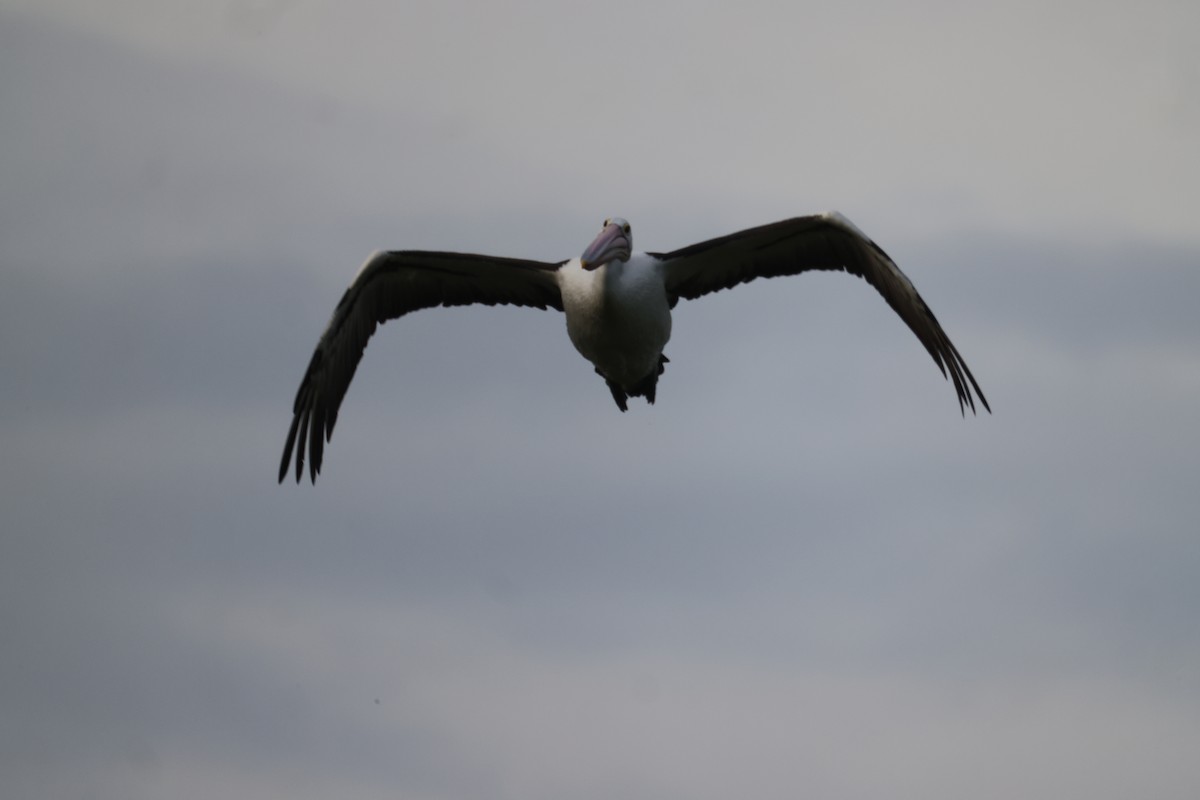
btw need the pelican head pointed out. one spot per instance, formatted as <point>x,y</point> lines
<point>614,242</point>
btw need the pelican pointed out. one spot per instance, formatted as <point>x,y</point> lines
<point>617,305</point>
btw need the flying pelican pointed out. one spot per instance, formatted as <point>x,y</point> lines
<point>617,304</point>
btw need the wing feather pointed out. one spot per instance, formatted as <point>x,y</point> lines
<point>390,285</point>
<point>817,242</point>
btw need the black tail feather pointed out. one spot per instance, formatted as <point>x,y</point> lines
<point>647,387</point>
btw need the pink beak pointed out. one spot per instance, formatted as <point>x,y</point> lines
<point>612,243</point>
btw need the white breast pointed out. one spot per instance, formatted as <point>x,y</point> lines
<point>618,316</point>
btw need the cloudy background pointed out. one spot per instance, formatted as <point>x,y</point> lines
<point>801,574</point>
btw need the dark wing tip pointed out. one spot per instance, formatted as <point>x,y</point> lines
<point>288,444</point>
<point>955,369</point>
<point>974,385</point>
<point>308,432</point>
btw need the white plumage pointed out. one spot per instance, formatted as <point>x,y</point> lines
<point>618,315</point>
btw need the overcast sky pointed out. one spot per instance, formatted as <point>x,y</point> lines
<point>800,574</point>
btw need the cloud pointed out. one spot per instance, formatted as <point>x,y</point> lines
<point>318,702</point>
<point>799,571</point>
<point>704,585</point>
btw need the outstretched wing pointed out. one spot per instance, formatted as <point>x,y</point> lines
<point>826,242</point>
<point>388,286</point>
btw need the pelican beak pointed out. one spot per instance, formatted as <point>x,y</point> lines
<point>612,243</point>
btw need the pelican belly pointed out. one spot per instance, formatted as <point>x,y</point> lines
<point>618,316</point>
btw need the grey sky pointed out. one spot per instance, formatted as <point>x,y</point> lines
<point>800,574</point>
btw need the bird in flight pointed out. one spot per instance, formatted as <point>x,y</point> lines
<point>617,304</point>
